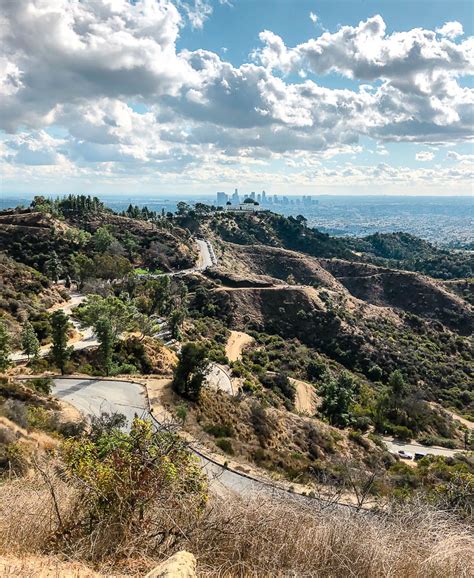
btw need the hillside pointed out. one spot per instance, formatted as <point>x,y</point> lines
<point>405,251</point>
<point>278,231</point>
<point>339,353</point>
<point>395,250</point>
<point>36,235</point>
<point>26,294</point>
<point>358,314</point>
<point>406,291</point>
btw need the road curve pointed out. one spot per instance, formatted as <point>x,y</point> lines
<point>413,448</point>
<point>206,259</point>
<point>219,378</point>
<point>87,339</point>
<point>91,396</point>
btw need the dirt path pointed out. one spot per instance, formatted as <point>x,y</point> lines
<point>236,343</point>
<point>465,422</point>
<point>306,400</point>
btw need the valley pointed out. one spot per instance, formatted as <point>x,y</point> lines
<point>292,366</point>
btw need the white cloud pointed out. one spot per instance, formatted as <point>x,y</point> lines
<point>381,150</point>
<point>366,52</point>
<point>34,149</point>
<point>79,65</point>
<point>313,17</point>
<point>197,11</point>
<point>275,54</point>
<point>451,30</point>
<point>63,51</point>
<point>462,158</point>
<point>424,156</point>
<point>418,93</point>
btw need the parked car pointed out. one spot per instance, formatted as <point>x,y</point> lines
<point>419,456</point>
<point>405,455</point>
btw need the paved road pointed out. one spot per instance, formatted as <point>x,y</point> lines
<point>219,378</point>
<point>395,446</point>
<point>87,340</point>
<point>93,396</point>
<point>206,259</point>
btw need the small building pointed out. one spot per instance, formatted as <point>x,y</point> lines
<point>248,206</point>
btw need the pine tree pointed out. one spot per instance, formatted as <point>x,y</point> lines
<point>105,335</point>
<point>29,341</point>
<point>60,350</point>
<point>190,373</point>
<point>338,396</point>
<point>4,347</point>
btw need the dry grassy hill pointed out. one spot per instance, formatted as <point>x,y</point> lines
<point>401,290</point>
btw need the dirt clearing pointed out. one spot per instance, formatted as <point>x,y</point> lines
<point>236,343</point>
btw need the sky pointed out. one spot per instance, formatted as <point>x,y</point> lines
<point>154,97</point>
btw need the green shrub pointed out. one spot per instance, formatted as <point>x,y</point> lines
<point>124,368</point>
<point>182,412</point>
<point>87,369</point>
<point>428,440</point>
<point>378,441</point>
<point>42,384</point>
<point>402,433</point>
<point>220,430</point>
<point>358,438</point>
<point>225,445</point>
<point>40,418</point>
<point>362,423</point>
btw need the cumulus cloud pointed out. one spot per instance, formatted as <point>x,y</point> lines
<point>313,17</point>
<point>424,156</point>
<point>62,51</point>
<point>418,92</point>
<point>197,11</point>
<point>34,149</point>
<point>80,66</point>
<point>451,30</point>
<point>366,52</point>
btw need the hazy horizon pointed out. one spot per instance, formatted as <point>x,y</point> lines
<point>440,219</point>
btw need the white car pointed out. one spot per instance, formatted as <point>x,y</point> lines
<point>405,455</point>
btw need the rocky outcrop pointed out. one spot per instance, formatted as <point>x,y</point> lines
<point>180,565</point>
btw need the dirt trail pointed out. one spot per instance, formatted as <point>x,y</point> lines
<point>306,400</point>
<point>465,422</point>
<point>236,343</point>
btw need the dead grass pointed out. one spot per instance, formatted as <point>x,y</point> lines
<point>272,538</point>
<point>261,536</point>
<point>45,567</point>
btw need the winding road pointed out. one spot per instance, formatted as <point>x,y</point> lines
<point>414,448</point>
<point>87,336</point>
<point>93,396</point>
<point>206,259</point>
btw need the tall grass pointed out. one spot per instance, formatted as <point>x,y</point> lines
<point>260,536</point>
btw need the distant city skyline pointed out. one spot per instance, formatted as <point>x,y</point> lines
<point>189,97</point>
<point>223,199</point>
